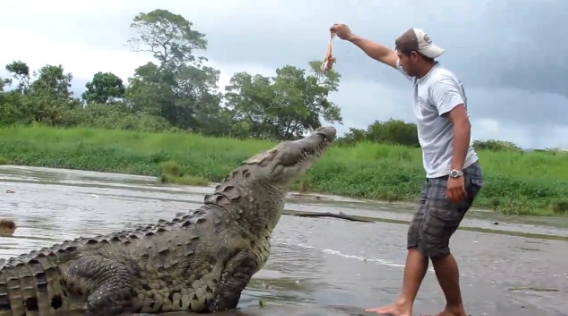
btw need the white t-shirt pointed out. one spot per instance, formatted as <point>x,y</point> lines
<point>435,94</point>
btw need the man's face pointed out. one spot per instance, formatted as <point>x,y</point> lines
<point>407,62</point>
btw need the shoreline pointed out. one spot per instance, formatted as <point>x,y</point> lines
<point>516,183</point>
<point>311,196</point>
<point>318,197</point>
<point>477,220</point>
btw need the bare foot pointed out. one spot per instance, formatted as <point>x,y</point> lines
<point>392,310</point>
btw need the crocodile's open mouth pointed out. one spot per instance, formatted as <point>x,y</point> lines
<point>292,159</point>
<point>305,150</point>
<point>287,161</point>
<point>317,150</point>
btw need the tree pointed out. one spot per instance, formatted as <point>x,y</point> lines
<point>250,100</point>
<point>179,88</point>
<point>11,110</point>
<point>46,99</point>
<point>4,83</point>
<point>198,99</point>
<point>9,114</point>
<point>394,132</point>
<point>149,92</point>
<point>53,81</point>
<point>49,95</point>
<point>169,37</point>
<point>496,145</point>
<point>20,72</point>
<point>104,88</point>
<point>285,106</point>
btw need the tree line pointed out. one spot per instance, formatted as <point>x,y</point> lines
<point>179,92</point>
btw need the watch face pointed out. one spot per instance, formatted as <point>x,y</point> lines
<point>454,173</point>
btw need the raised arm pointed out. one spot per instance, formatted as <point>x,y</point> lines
<point>373,49</point>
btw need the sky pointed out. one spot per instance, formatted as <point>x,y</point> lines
<point>510,56</point>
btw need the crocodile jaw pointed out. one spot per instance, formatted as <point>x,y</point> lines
<point>286,162</point>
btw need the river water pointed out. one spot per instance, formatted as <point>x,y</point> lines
<point>318,266</point>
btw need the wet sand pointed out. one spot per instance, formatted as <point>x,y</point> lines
<point>316,264</point>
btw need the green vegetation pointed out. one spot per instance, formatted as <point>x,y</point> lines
<point>170,120</point>
<point>172,173</point>
<point>175,90</point>
<point>516,182</point>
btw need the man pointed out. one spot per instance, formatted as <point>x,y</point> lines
<point>453,173</point>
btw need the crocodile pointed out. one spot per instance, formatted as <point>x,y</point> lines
<point>200,261</point>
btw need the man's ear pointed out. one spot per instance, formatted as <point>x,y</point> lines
<point>413,56</point>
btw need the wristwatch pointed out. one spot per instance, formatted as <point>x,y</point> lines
<point>456,173</point>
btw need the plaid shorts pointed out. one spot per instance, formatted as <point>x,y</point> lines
<point>436,218</point>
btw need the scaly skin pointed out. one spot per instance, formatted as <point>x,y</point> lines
<point>200,261</point>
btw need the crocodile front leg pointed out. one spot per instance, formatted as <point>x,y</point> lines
<point>234,280</point>
<point>107,282</point>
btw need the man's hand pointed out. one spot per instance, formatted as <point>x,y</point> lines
<point>341,30</point>
<point>456,189</point>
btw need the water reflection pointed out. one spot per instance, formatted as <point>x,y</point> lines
<point>315,263</point>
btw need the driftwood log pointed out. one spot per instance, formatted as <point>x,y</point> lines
<point>328,214</point>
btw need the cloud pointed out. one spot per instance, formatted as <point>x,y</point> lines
<point>508,57</point>
<point>83,61</point>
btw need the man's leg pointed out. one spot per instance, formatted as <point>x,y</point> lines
<point>441,221</point>
<point>447,273</point>
<point>415,268</point>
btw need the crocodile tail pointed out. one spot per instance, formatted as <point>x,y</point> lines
<point>30,285</point>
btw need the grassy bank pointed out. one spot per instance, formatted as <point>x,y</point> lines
<point>516,183</point>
